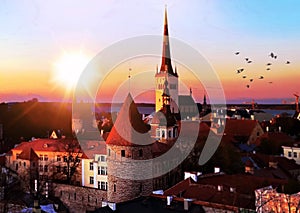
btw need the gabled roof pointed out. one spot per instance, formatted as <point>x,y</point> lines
<point>186,100</point>
<point>240,127</point>
<point>206,189</point>
<point>129,129</point>
<point>92,147</point>
<point>28,154</point>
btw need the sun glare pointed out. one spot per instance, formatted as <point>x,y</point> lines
<point>68,68</point>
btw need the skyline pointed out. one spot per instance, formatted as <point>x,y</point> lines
<point>38,37</point>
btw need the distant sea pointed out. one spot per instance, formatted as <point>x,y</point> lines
<point>275,112</point>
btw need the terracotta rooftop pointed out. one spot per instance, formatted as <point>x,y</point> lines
<point>276,137</point>
<point>129,129</point>
<point>90,148</point>
<point>239,127</point>
<point>236,190</point>
<point>28,154</point>
<point>47,145</point>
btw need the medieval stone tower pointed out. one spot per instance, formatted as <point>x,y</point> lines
<point>128,143</point>
<point>166,73</point>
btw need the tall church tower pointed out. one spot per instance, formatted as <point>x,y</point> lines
<point>166,73</point>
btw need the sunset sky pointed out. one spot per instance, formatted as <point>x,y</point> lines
<point>43,43</point>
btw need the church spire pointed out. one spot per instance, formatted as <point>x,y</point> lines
<point>166,65</point>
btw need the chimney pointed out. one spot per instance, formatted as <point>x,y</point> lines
<point>187,204</point>
<point>169,200</point>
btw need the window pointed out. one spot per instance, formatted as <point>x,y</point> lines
<point>17,156</point>
<point>289,154</point>
<point>108,152</point>
<point>58,169</point>
<point>17,166</point>
<point>157,133</point>
<point>45,157</point>
<point>295,154</point>
<point>102,158</point>
<point>163,134</point>
<point>65,159</point>
<point>58,158</point>
<point>99,170</point>
<point>103,170</point>
<point>170,134</point>
<point>41,158</point>
<point>41,168</point>
<point>140,153</point>
<point>65,169</point>
<point>123,153</point>
<point>99,185</point>
<point>91,166</point>
<point>33,164</point>
<point>45,168</point>
<point>115,187</point>
<point>103,185</point>
<point>91,180</point>
<point>257,133</point>
<point>24,163</point>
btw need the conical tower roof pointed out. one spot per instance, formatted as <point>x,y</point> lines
<point>129,129</point>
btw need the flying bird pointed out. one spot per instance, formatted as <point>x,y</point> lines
<point>247,59</point>
<point>268,68</point>
<point>270,82</point>
<point>288,62</point>
<point>240,70</point>
<point>272,55</point>
<point>261,77</point>
<point>249,62</point>
<point>269,64</point>
<point>237,53</point>
<point>251,79</point>
<point>244,76</point>
<point>248,86</point>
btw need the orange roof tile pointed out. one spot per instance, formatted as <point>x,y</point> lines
<point>28,154</point>
<point>47,145</point>
<point>239,127</point>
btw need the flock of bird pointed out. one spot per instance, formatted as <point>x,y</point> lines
<point>268,67</point>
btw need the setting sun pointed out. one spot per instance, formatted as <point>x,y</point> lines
<point>68,68</point>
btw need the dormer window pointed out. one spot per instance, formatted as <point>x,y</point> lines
<point>123,153</point>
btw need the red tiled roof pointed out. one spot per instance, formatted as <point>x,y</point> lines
<point>206,189</point>
<point>90,148</point>
<point>239,127</point>
<point>47,145</point>
<point>275,137</point>
<point>129,128</point>
<point>28,154</point>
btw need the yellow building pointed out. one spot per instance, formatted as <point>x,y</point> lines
<point>94,166</point>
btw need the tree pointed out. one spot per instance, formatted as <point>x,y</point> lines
<point>66,170</point>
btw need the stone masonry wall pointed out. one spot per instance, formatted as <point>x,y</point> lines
<point>127,175</point>
<point>79,199</point>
